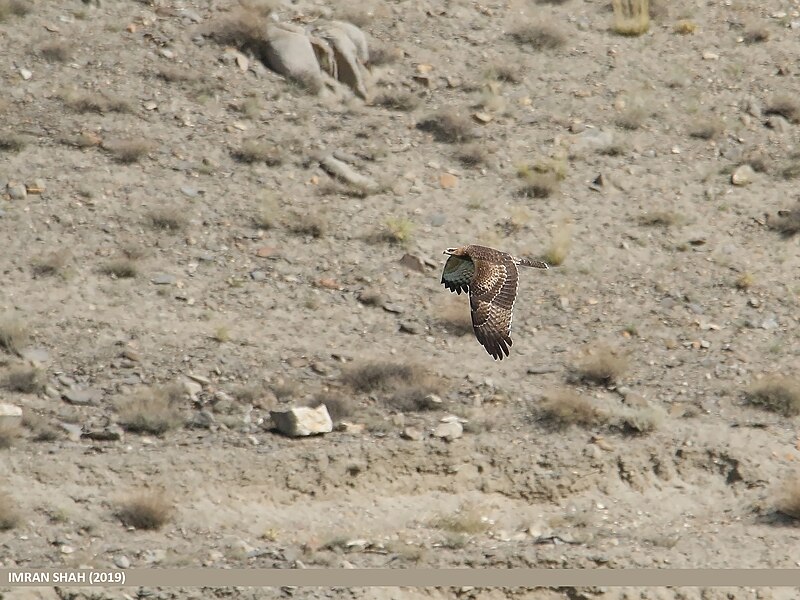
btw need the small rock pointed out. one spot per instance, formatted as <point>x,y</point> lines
<point>743,175</point>
<point>67,549</point>
<point>448,181</point>
<point>10,415</point>
<point>122,561</point>
<point>413,262</point>
<point>412,433</point>
<point>17,191</point>
<point>449,431</point>
<point>303,421</point>
<point>25,73</point>
<point>112,433</point>
<point>710,56</point>
<point>348,427</point>
<point>74,432</point>
<point>83,397</point>
<point>202,419</point>
<point>410,327</point>
<point>164,279</point>
<point>258,275</point>
<point>769,323</point>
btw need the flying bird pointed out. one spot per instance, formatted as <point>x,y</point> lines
<point>491,278</point>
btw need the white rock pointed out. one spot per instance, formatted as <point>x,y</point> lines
<point>743,175</point>
<point>302,421</point>
<point>449,431</point>
<point>290,53</point>
<point>10,415</point>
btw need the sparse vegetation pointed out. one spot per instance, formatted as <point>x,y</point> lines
<point>706,128</point>
<point>776,393</point>
<point>221,334</point>
<point>786,106</point>
<point>243,28</point>
<point>602,365</point>
<point>152,410</point>
<point>121,268</point>
<point>659,218</point>
<point>307,223</point>
<point>254,151</point>
<point>8,435</point>
<point>405,387</point>
<point>685,27</point>
<point>464,521</point>
<point>539,35</point>
<point>52,263</point>
<point>398,230</point>
<point>56,51</point>
<point>755,33</point>
<point>631,17</point>
<point>87,101</point>
<point>632,117</point>
<point>744,281</point>
<point>638,419</point>
<point>13,335</point>
<point>538,185</point>
<point>338,404</point>
<point>129,150</point>
<point>167,218</point>
<point>564,407</point>
<point>15,8</point>
<point>787,223</point>
<point>39,427</point>
<point>24,379</point>
<point>144,510</point>
<point>13,142</point>
<point>560,243</point>
<point>472,155</point>
<point>9,515</point>
<point>448,125</point>
<point>505,72</point>
<point>398,100</point>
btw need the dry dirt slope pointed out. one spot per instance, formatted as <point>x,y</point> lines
<point>275,283</point>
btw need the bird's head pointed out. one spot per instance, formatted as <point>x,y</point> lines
<point>454,251</point>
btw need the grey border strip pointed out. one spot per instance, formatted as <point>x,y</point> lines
<point>403,577</point>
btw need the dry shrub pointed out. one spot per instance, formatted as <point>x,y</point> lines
<point>560,243</point>
<point>706,128</point>
<point>13,335</point>
<point>472,155</point>
<point>786,106</point>
<point>383,55</point>
<point>632,117</point>
<point>637,419</point>
<point>505,72</point>
<point>538,185</point>
<point>154,411</point>
<point>9,515</point>
<point>539,35</point>
<point>16,8</point>
<point>790,169</point>
<point>144,510</point>
<point>448,125</point>
<point>52,263</point>
<point>167,218</point>
<point>56,51</point>
<point>24,379</point>
<point>40,429</point>
<point>405,387</point>
<point>744,281</point>
<point>254,151</point>
<point>13,142</point>
<point>244,28</point>
<point>397,230</point>
<point>776,393</point>
<point>631,17</point>
<point>174,74</point>
<point>8,435</point>
<point>788,502</point>
<point>755,33</point>
<point>685,27</point>
<point>121,268</point>
<point>602,365</point>
<point>87,101</point>
<point>338,404</point>
<point>398,100</point>
<point>564,407</point>
<point>463,521</point>
<point>787,222</point>
<point>311,224</point>
<point>128,150</point>
<point>659,218</point>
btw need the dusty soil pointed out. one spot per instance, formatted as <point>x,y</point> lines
<point>270,282</point>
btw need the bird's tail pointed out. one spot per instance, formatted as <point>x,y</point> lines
<point>527,262</point>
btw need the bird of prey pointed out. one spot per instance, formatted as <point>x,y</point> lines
<point>491,278</point>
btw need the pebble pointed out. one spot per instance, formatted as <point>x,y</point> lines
<point>122,561</point>
<point>743,175</point>
<point>412,433</point>
<point>17,191</point>
<point>164,279</point>
<point>25,73</point>
<point>449,431</point>
<point>83,397</point>
<point>410,327</point>
<point>413,262</point>
<point>258,275</point>
<point>10,415</point>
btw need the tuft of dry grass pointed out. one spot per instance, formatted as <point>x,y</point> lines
<point>13,8</point>
<point>755,33</point>
<point>685,27</point>
<point>560,243</point>
<point>505,72</point>
<point>659,218</point>
<point>8,435</point>
<point>744,281</point>
<point>464,521</point>
<point>706,128</point>
<point>788,502</point>
<point>173,74</point>
<point>637,420</point>
<point>405,387</point>
<point>244,28</point>
<point>539,35</point>
<point>563,407</point>
<point>13,142</point>
<point>632,117</point>
<point>786,106</point>
<point>121,268</point>
<point>55,51</point>
<point>52,263</point>
<point>88,101</point>
<point>787,222</point>
<point>631,17</point>
<point>144,510</point>
<point>9,514</point>
<point>40,429</point>
<point>397,230</point>
<point>472,155</point>
<point>338,404</point>
<point>254,151</point>
<point>538,185</point>
<point>602,365</point>
<point>128,150</point>
<point>167,218</point>
<point>154,411</point>
<point>383,55</point>
<point>398,100</point>
<point>24,379</point>
<point>448,125</point>
<point>311,224</point>
<point>776,393</point>
<point>13,335</point>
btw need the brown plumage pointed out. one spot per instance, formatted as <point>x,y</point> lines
<point>491,279</point>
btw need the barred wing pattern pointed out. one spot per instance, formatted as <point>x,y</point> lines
<point>492,297</point>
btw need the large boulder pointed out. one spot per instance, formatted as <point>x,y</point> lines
<point>302,421</point>
<point>288,51</point>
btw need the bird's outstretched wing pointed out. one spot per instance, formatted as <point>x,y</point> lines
<point>457,274</point>
<point>493,291</point>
